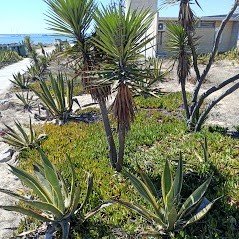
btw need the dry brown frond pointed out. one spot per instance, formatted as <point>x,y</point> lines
<point>124,106</point>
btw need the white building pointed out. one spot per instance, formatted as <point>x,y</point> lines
<point>206,30</point>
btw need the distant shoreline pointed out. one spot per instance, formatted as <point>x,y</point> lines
<point>46,39</point>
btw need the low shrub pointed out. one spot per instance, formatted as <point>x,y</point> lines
<point>155,136</point>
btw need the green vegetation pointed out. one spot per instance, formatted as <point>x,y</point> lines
<point>54,203</point>
<point>155,136</point>
<point>232,55</point>
<point>20,138</point>
<point>59,100</point>
<point>8,57</point>
<point>168,214</point>
<point>20,81</point>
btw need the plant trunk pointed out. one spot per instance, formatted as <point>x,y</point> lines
<point>121,138</point>
<point>65,226</point>
<point>185,101</point>
<point>108,131</point>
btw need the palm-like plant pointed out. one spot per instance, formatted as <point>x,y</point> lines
<point>20,138</point>
<point>184,36</point>
<point>55,203</point>
<point>74,18</point>
<point>58,99</point>
<point>20,81</point>
<point>167,214</point>
<point>122,36</point>
<point>26,100</point>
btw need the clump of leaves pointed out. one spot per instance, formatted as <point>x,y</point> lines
<point>218,129</point>
<point>26,100</point>
<point>20,138</point>
<point>58,97</point>
<point>20,81</point>
<point>168,214</point>
<point>55,203</point>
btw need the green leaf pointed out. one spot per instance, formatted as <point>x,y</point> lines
<point>166,181</point>
<point>26,212</point>
<point>142,189</point>
<point>51,175</point>
<point>194,198</point>
<point>178,180</point>
<point>201,213</point>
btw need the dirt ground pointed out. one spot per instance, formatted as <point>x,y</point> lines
<point>226,112</point>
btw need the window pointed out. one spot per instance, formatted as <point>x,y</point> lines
<point>207,24</point>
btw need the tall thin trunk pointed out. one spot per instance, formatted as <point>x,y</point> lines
<point>185,101</point>
<point>108,131</point>
<point>121,138</point>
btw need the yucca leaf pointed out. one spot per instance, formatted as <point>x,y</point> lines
<point>142,189</point>
<point>194,198</point>
<point>26,212</point>
<point>166,181</point>
<point>51,176</point>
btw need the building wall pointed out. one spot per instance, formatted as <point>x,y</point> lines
<point>206,38</point>
<point>150,50</point>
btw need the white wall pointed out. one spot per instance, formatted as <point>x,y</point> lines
<point>147,4</point>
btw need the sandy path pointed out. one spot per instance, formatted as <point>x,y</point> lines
<point>226,112</point>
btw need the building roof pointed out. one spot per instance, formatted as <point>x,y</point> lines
<point>235,17</point>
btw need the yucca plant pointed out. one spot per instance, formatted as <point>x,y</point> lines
<point>167,213</point>
<point>20,137</point>
<point>183,42</point>
<point>122,36</point>
<point>58,97</point>
<point>74,18</point>
<point>54,202</point>
<point>154,73</point>
<point>26,100</point>
<point>20,81</point>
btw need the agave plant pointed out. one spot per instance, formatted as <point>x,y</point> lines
<point>58,99</point>
<point>26,100</point>
<point>154,73</point>
<point>20,138</point>
<point>53,201</point>
<point>168,214</point>
<point>20,81</point>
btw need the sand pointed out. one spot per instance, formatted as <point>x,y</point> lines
<point>225,114</point>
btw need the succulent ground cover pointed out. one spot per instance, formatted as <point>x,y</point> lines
<point>158,133</point>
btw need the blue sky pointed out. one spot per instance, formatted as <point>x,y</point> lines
<point>27,16</point>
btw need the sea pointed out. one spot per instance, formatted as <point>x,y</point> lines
<point>45,39</point>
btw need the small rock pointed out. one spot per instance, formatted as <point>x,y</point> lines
<point>4,104</point>
<point>6,156</point>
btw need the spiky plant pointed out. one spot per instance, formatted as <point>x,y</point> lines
<point>168,214</point>
<point>54,202</point>
<point>20,81</point>
<point>31,51</point>
<point>58,97</point>
<point>196,115</point>
<point>122,36</point>
<point>20,137</point>
<point>26,100</point>
<point>74,18</point>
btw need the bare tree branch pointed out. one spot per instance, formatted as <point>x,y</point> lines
<point>213,103</point>
<point>214,52</point>
<point>211,91</point>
